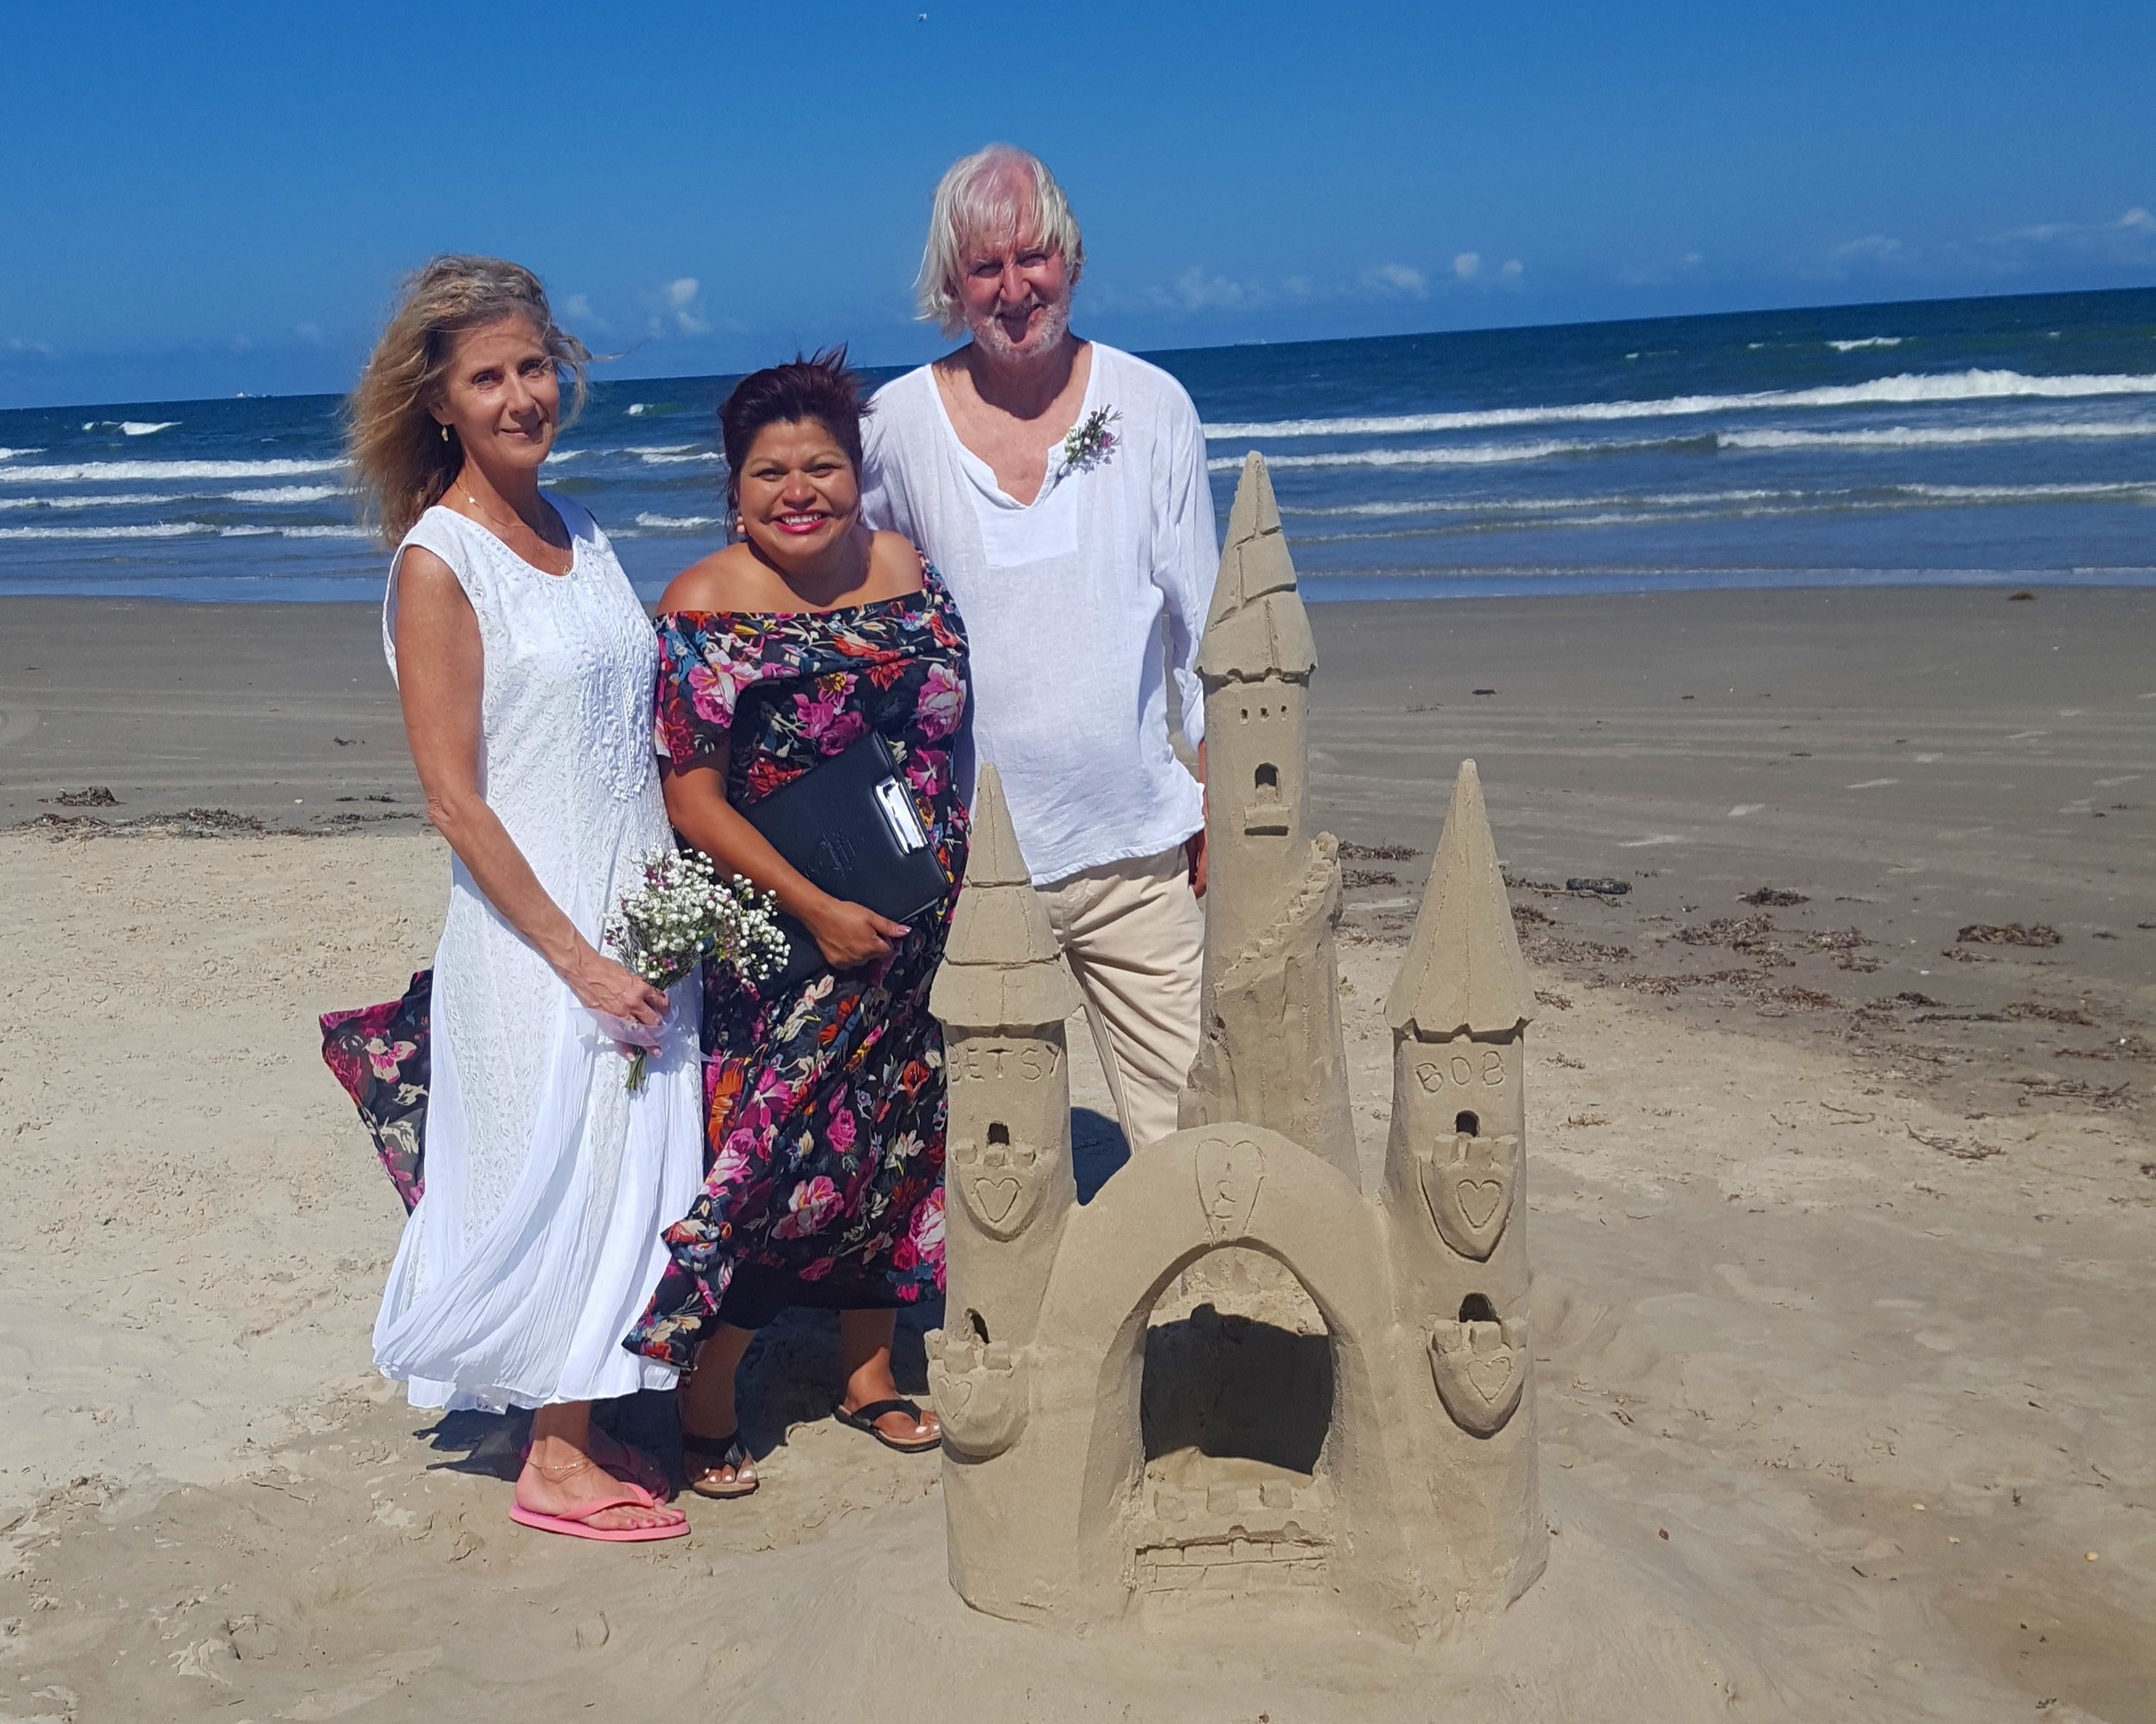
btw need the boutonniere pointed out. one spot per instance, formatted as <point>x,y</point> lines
<point>1091,440</point>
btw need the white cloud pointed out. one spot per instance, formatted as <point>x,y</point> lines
<point>1872,248</point>
<point>1467,266</point>
<point>1198,290</point>
<point>578,306</point>
<point>1401,277</point>
<point>310,333</point>
<point>23,344</point>
<point>1514,269</point>
<point>676,308</point>
<point>2123,240</point>
<point>685,296</point>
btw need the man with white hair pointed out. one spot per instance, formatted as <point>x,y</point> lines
<point>1060,486</point>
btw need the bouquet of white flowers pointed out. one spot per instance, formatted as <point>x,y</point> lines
<point>684,912</point>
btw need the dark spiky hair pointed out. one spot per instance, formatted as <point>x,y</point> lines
<point>819,387</point>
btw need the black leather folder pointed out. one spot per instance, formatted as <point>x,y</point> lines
<point>851,825</point>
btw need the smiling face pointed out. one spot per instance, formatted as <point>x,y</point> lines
<point>1016,295</point>
<point>502,395</point>
<point>799,494</point>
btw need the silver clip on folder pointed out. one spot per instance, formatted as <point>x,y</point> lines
<point>896,808</point>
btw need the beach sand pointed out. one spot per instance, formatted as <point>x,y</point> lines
<point>1836,1209</point>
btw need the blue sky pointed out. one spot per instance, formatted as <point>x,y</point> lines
<point>210,197</point>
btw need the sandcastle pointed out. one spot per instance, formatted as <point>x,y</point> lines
<point>1421,1508</point>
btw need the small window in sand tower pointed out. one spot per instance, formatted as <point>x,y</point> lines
<point>1476,1309</point>
<point>1468,1125</point>
<point>998,1134</point>
<point>1266,779</point>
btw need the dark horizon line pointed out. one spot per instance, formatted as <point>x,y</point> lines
<point>1228,347</point>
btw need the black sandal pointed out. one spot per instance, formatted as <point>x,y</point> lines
<point>727,1450</point>
<point>864,1419</point>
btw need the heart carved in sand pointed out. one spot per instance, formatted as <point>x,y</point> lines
<point>1479,1200</point>
<point>1490,1374</point>
<point>1230,1172</point>
<point>1481,1369</point>
<point>996,1197</point>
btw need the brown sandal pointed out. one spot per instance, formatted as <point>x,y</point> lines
<point>864,1419</point>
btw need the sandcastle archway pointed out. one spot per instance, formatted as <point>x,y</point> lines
<point>1149,1532</point>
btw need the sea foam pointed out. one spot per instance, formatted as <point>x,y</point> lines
<point>103,472</point>
<point>1938,436</point>
<point>156,529</point>
<point>1470,455</point>
<point>1907,387</point>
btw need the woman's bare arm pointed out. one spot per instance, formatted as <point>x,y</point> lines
<point>849,933</point>
<point>440,669</point>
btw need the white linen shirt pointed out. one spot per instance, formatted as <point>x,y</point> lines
<point>1062,600</point>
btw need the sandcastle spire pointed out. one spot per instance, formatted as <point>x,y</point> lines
<point>1002,967</point>
<point>1257,626</point>
<point>1462,972</point>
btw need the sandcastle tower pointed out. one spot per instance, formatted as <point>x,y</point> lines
<point>1419,1510</point>
<point>1002,996</point>
<point>1452,1196</point>
<point>1271,987</point>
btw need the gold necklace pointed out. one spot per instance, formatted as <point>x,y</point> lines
<point>479,508</point>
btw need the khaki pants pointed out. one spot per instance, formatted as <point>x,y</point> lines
<point>1134,937</point>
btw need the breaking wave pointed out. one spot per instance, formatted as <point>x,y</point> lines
<point>1936,437</point>
<point>1470,455</point>
<point>671,454</point>
<point>1908,387</point>
<point>102,472</point>
<point>179,529</point>
<point>1740,501</point>
<point>289,493</point>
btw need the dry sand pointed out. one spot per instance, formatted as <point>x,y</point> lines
<point>1809,1253</point>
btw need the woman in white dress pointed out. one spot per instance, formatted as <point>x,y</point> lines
<point>526,669</point>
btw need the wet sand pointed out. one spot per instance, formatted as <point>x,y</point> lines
<point>1827,1293</point>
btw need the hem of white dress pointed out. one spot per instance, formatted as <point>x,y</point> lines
<point>435,1397</point>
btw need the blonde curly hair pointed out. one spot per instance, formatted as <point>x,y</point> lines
<point>400,457</point>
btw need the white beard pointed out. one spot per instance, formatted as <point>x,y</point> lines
<point>1054,322</point>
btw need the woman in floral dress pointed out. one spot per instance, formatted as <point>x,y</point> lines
<point>825,1104</point>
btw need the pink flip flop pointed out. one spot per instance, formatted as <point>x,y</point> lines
<point>577,1525</point>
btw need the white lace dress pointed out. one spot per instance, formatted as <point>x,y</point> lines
<point>537,1245</point>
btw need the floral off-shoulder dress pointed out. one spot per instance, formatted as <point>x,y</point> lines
<point>823,1107</point>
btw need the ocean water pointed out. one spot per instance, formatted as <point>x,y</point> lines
<point>1975,441</point>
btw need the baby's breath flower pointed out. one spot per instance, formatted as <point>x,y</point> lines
<point>684,913</point>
